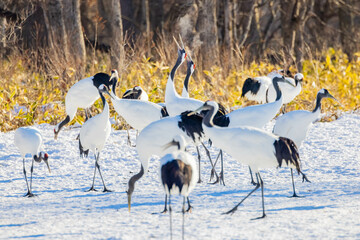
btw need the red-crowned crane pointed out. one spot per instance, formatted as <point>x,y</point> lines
<point>295,124</point>
<point>178,175</point>
<point>29,141</point>
<point>94,133</point>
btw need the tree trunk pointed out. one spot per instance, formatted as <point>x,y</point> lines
<point>56,30</point>
<point>117,47</point>
<point>347,29</point>
<point>75,38</point>
<point>206,27</point>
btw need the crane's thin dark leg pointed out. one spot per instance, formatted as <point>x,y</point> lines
<point>31,173</point>
<point>189,205</point>
<point>183,219</point>
<point>283,109</point>
<point>252,179</point>
<point>222,168</point>
<point>293,184</point>
<point>28,194</point>
<point>212,165</point>
<point>236,206</point>
<point>199,158</point>
<point>170,211</point>
<point>87,114</point>
<point>92,187</point>
<point>262,195</point>
<point>165,208</point>
<point>102,179</point>
<point>212,172</point>
<point>128,138</point>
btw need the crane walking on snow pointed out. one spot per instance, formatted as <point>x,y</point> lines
<point>29,140</point>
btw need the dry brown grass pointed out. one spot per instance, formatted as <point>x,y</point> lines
<point>43,94</point>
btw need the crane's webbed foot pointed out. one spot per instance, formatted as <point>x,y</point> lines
<point>232,211</point>
<point>29,194</point>
<point>91,189</point>
<point>107,190</point>
<point>263,216</point>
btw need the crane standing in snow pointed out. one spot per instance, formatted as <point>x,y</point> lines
<point>295,124</point>
<point>29,140</point>
<point>178,175</point>
<point>95,132</point>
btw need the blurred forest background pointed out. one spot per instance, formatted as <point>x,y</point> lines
<point>53,43</point>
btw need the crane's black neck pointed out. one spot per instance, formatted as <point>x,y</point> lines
<point>37,158</point>
<point>319,97</point>
<point>134,179</point>
<point>177,64</point>
<point>277,89</point>
<point>187,78</point>
<point>137,94</point>
<point>209,116</point>
<point>102,99</point>
<point>114,81</point>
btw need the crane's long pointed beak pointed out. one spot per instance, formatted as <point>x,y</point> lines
<point>177,43</point>
<point>290,83</point>
<point>195,111</point>
<point>128,93</point>
<point>332,97</point>
<point>47,164</point>
<point>108,93</point>
<point>129,201</point>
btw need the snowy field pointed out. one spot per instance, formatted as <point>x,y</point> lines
<point>330,208</point>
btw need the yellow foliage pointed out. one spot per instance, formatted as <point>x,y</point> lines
<point>44,98</point>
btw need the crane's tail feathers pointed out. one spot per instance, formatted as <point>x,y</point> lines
<point>286,151</point>
<point>250,85</point>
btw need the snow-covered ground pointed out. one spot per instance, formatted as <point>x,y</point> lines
<point>330,208</point>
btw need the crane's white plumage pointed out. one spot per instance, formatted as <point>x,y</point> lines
<point>95,131</point>
<point>137,113</point>
<point>29,141</point>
